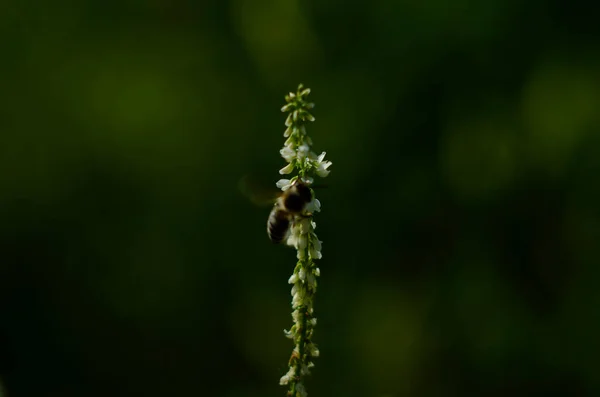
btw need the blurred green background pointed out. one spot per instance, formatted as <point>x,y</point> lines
<point>460,224</point>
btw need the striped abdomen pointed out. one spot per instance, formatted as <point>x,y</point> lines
<point>278,224</point>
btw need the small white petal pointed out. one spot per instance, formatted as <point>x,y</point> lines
<point>316,242</point>
<point>297,300</point>
<point>288,153</point>
<point>287,132</point>
<point>314,254</point>
<point>304,370</point>
<point>296,316</point>
<point>287,169</point>
<point>312,349</point>
<point>301,390</point>
<point>302,275</point>
<point>308,180</point>
<point>301,242</point>
<point>304,227</point>
<point>312,207</point>
<point>321,157</point>
<point>301,255</point>
<point>311,281</point>
<point>300,293</point>
<point>285,379</point>
<point>303,151</point>
<point>322,170</point>
<point>288,121</point>
<point>293,279</point>
<point>291,240</point>
<point>317,206</point>
<point>317,272</point>
<point>283,184</point>
<point>287,107</point>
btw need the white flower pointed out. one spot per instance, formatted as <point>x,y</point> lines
<point>289,334</point>
<point>284,184</point>
<point>298,237</point>
<point>293,279</point>
<point>300,389</point>
<point>302,242</point>
<point>302,274</point>
<point>321,166</point>
<point>298,297</point>
<point>304,227</point>
<point>311,281</point>
<point>308,180</point>
<point>315,247</point>
<point>301,254</point>
<point>291,240</point>
<point>287,169</point>
<point>317,272</point>
<point>303,150</point>
<point>312,350</point>
<point>314,253</point>
<point>313,206</point>
<point>288,153</point>
<point>287,132</point>
<point>316,242</point>
<point>296,318</point>
<point>285,379</point>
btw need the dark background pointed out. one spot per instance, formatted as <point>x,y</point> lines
<point>460,224</point>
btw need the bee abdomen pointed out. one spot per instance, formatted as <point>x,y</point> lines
<point>278,225</point>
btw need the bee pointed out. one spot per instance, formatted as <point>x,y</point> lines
<point>289,206</point>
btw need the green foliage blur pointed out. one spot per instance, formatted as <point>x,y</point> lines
<point>460,223</point>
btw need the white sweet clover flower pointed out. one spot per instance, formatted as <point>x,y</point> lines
<point>306,164</point>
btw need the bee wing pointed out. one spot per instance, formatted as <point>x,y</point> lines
<point>258,193</point>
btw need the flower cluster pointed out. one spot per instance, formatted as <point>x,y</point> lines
<point>297,152</point>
